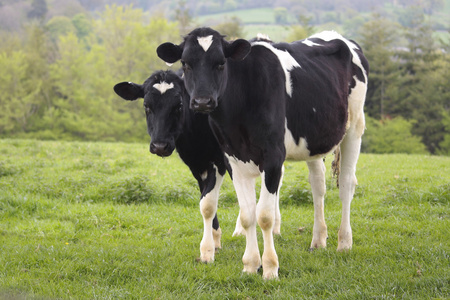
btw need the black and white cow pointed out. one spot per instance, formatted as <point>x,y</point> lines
<point>268,102</point>
<point>172,125</point>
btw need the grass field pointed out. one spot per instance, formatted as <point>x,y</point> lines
<point>110,221</point>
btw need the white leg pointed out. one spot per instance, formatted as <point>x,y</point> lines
<point>277,226</point>
<point>239,230</point>
<point>317,181</point>
<point>265,212</point>
<point>350,148</point>
<point>217,234</point>
<point>208,208</point>
<point>245,190</point>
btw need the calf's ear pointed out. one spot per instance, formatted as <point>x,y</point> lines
<point>238,50</point>
<point>129,90</point>
<point>170,53</point>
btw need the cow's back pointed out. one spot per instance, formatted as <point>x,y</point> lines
<point>317,106</point>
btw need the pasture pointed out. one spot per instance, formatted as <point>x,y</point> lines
<point>83,220</point>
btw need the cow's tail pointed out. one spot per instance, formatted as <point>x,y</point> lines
<point>336,164</point>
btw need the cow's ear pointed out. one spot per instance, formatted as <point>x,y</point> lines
<point>129,90</point>
<point>238,50</point>
<point>170,53</point>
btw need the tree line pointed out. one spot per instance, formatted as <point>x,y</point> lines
<point>56,78</point>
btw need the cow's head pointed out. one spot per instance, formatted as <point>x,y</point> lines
<point>204,54</point>
<point>163,94</point>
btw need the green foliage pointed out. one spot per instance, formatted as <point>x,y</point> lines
<point>59,26</point>
<point>38,9</point>
<point>445,144</point>
<point>60,70</point>
<point>391,136</point>
<point>232,28</point>
<point>83,25</point>
<point>281,15</point>
<point>63,236</point>
<point>59,86</point>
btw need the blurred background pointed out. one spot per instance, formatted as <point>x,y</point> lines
<point>59,60</point>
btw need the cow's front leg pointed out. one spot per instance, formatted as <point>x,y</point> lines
<point>208,209</point>
<point>266,214</point>
<point>245,190</point>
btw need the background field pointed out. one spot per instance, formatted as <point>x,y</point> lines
<point>85,220</point>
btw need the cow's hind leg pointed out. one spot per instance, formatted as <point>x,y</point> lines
<point>217,233</point>
<point>317,181</point>
<point>350,149</point>
<point>208,209</point>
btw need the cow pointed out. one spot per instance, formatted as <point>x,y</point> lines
<point>172,125</point>
<point>268,102</point>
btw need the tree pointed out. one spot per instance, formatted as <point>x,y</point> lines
<point>82,24</point>
<point>377,40</point>
<point>231,27</point>
<point>58,26</point>
<point>423,87</point>
<point>444,145</point>
<point>301,31</point>
<point>183,17</point>
<point>281,15</point>
<point>38,9</point>
<point>391,136</point>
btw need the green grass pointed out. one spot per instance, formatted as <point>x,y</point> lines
<point>110,221</point>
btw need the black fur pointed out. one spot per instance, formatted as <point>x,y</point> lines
<point>171,122</point>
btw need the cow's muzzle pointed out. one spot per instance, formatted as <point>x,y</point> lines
<point>161,149</point>
<point>203,105</point>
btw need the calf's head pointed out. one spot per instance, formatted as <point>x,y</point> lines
<point>204,54</point>
<point>163,95</point>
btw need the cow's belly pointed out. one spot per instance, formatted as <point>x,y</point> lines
<point>300,151</point>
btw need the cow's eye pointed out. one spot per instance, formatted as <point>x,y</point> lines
<point>147,109</point>
<point>178,108</point>
<point>186,67</point>
<point>221,67</point>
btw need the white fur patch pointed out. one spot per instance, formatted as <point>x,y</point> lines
<point>310,43</point>
<point>287,63</point>
<point>333,35</point>
<point>163,86</point>
<point>248,169</point>
<point>205,42</point>
<point>262,36</point>
<point>299,151</point>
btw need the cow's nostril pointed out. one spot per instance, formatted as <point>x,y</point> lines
<point>161,149</point>
<point>203,104</point>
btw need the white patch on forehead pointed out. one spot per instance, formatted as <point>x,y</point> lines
<point>163,86</point>
<point>205,42</point>
<point>287,63</point>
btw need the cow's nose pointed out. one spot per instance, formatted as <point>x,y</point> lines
<point>204,105</point>
<point>160,149</point>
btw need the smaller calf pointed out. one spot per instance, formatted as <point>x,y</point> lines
<point>172,125</point>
